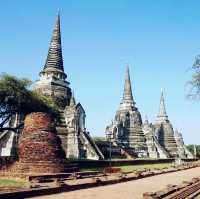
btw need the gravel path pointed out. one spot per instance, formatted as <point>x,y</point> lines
<point>128,190</point>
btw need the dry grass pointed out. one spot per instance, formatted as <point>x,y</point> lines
<point>12,183</point>
<point>130,168</point>
<point>145,166</point>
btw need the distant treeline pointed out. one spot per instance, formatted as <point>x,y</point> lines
<point>99,138</point>
<point>191,149</point>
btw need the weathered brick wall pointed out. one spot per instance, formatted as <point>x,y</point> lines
<point>39,141</point>
<point>40,148</point>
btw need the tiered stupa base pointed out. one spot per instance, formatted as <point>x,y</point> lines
<point>167,139</point>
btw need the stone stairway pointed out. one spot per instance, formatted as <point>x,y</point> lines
<point>117,152</point>
<point>92,145</point>
<point>61,129</point>
<point>126,151</point>
<point>129,153</point>
<point>163,153</point>
<point>62,122</point>
<point>7,143</point>
<point>4,137</point>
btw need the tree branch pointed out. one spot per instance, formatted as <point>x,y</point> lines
<point>4,121</point>
<point>12,128</point>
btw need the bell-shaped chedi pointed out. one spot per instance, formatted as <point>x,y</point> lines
<point>126,129</point>
<point>39,148</point>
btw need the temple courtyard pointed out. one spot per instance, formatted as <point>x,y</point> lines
<point>132,144</point>
<point>132,189</point>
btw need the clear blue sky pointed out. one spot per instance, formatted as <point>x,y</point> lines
<point>158,39</point>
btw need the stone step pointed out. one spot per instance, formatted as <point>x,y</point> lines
<point>62,125</point>
<point>61,130</point>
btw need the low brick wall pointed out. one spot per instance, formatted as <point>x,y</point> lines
<point>105,163</point>
<point>94,182</point>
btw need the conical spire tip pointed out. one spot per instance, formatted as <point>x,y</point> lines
<point>127,99</point>
<point>54,57</point>
<point>162,115</point>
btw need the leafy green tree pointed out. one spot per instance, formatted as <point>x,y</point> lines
<point>17,98</point>
<point>191,149</point>
<point>98,138</point>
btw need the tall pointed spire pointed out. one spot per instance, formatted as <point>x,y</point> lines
<point>127,95</point>
<point>54,57</point>
<point>162,115</point>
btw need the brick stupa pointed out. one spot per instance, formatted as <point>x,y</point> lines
<point>39,148</point>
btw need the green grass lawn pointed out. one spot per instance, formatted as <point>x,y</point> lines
<point>12,183</point>
<point>130,168</point>
<point>146,166</point>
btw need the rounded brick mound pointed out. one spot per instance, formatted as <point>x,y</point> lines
<point>39,141</point>
<point>38,121</point>
<point>39,148</point>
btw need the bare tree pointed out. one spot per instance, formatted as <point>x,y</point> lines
<point>195,82</point>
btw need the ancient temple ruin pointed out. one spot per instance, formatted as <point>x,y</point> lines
<point>128,134</point>
<point>76,141</point>
<point>156,140</point>
<point>164,130</point>
<point>9,139</point>
<point>155,150</point>
<point>39,149</point>
<point>182,149</point>
<point>127,126</point>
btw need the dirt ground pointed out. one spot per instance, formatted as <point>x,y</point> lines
<point>128,190</point>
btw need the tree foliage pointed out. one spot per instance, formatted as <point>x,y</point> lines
<point>16,97</point>
<point>191,149</point>
<point>98,138</point>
